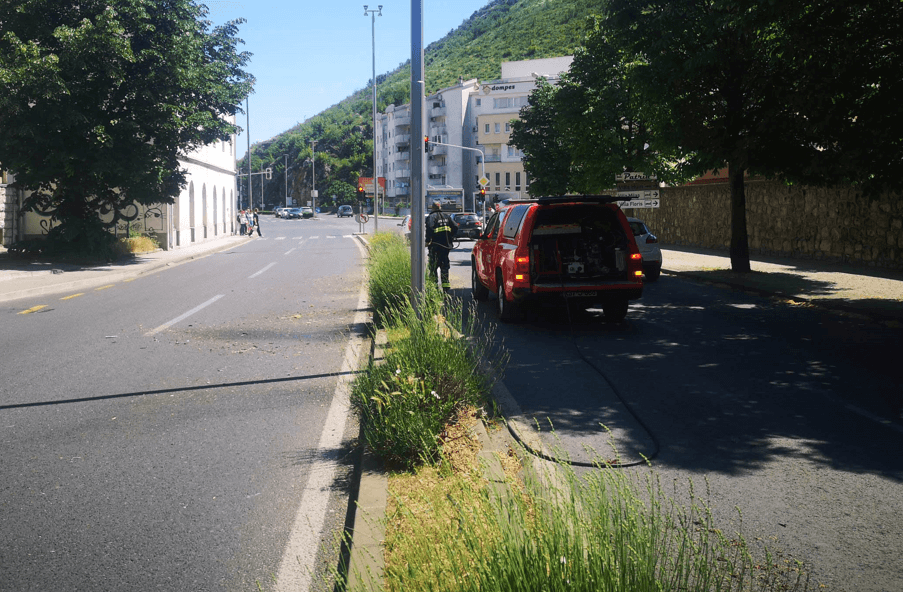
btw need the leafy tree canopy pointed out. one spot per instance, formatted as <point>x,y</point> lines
<point>98,98</point>
<point>802,90</point>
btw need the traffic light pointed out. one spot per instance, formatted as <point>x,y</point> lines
<point>482,193</point>
<point>360,192</point>
<point>426,144</point>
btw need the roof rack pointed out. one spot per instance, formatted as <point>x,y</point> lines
<point>578,198</point>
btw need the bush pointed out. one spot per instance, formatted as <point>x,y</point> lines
<point>390,273</point>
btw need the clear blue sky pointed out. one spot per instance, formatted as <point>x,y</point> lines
<point>311,54</point>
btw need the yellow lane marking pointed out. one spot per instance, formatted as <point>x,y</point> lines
<point>104,287</point>
<point>73,296</point>
<point>33,309</point>
<point>129,280</point>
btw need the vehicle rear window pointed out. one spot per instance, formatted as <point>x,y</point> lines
<point>513,220</point>
<point>638,228</point>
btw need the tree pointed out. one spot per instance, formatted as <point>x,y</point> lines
<point>577,136</point>
<point>98,98</point>
<point>547,159</point>
<point>800,90</point>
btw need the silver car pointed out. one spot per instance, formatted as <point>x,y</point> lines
<point>649,248</point>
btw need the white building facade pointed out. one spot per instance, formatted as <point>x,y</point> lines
<point>204,210</point>
<point>470,116</point>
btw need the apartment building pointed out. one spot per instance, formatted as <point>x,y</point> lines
<point>474,119</point>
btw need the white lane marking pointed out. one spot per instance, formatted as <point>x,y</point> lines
<point>184,316</point>
<point>298,238</point>
<point>290,250</point>
<point>251,277</point>
<point>280,238</point>
<point>297,565</point>
<point>314,237</point>
<point>347,236</point>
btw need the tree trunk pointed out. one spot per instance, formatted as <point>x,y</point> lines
<point>739,235</point>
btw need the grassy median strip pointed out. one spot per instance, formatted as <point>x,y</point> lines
<point>452,526</point>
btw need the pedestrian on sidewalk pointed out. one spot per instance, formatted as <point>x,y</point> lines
<point>256,221</point>
<point>243,222</point>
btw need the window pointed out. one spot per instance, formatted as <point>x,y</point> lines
<point>507,179</point>
<point>513,220</point>
<point>507,126</point>
<point>498,179</point>
<point>517,181</point>
<point>487,128</point>
<point>479,102</point>
<point>498,128</point>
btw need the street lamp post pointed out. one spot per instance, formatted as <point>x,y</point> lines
<point>286,180</point>
<point>313,171</point>
<point>373,14</point>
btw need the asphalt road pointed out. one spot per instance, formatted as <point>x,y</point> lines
<point>783,412</point>
<point>162,433</point>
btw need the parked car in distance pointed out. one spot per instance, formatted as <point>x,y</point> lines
<point>649,248</point>
<point>576,248</point>
<point>293,213</point>
<point>469,224</point>
<point>307,213</point>
<point>345,210</point>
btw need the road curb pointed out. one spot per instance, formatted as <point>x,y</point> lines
<point>136,270</point>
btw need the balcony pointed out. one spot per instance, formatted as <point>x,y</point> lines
<point>439,169</point>
<point>493,157</point>
<point>402,173</point>
<point>403,121</point>
<point>402,139</point>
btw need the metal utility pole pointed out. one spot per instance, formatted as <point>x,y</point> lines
<point>373,15</point>
<point>418,159</point>
<point>286,180</point>
<point>313,174</point>
<point>248,126</point>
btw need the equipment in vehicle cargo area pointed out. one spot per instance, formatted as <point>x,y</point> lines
<point>578,244</point>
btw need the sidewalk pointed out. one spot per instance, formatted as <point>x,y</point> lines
<point>20,278</point>
<point>874,293</point>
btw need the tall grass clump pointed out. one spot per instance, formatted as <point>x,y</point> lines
<point>390,273</point>
<point>603,531</point>
<point>432,368</point>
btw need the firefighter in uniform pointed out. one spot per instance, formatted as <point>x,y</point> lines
<point>440,234</point>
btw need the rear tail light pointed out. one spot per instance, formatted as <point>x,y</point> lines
<point>651,239</point>
<point>521,268</point>
<point>635,256</point>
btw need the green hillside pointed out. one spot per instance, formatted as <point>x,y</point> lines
<point>503,30</point>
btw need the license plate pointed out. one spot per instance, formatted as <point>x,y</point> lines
<point>580,294</point>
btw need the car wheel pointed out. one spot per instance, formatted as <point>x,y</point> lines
<point>508,309</point>
<point>653,274</point>
<point>615,310</point>
<point>479,291</point>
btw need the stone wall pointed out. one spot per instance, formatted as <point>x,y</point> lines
<point>834,224</point>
